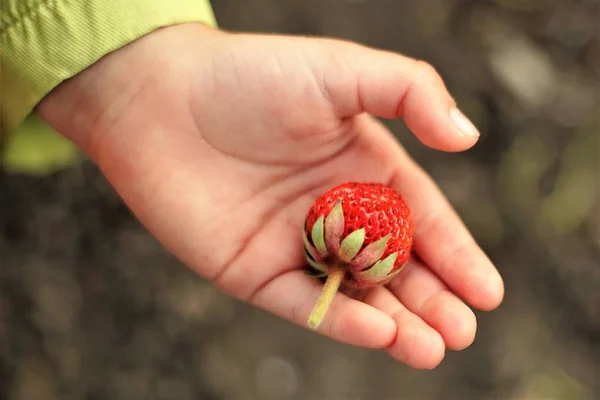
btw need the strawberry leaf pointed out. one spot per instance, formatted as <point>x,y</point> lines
<point>334,228</point>
<point>318,236</point>
<point>370,254</point>
<point>392,275</point>
<point>314,264</point>
<point>380,270</point>
<point>351,245</point>
<point>309,248</point>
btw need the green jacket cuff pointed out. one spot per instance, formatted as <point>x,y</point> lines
<point>47,42</point>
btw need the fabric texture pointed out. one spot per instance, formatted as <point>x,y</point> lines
<point>44,42</point>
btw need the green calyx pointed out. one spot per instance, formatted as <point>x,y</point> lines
<point>380,269</point>
<point>370,254</point>
<point>318,237</point>
<point>331,255</point>
<point>351,245</point>
<point>326,241</point>
<point>314,263</point>
<point>334,228</point>
<point>309,248</point>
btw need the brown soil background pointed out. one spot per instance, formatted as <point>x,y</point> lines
<point>92,308</point>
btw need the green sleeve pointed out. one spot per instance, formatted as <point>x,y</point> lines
<point>44,42</point>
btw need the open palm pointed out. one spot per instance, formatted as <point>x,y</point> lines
<point>223,146</point>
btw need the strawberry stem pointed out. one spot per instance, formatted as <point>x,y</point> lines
<point>330,288</point>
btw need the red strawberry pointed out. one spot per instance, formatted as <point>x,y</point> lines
<point>357,234</point>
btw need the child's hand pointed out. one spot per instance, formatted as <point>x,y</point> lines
<point>220,142</point>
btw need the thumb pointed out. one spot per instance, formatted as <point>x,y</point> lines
<point>358,79</point>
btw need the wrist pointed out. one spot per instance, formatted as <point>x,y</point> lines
<point>85,106</point>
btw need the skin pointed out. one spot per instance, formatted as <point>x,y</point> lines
<point>219,143</point>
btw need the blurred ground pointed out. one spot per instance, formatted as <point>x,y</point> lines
<point>91,307</point>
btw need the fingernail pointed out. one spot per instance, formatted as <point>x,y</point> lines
<point>462,123</point>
